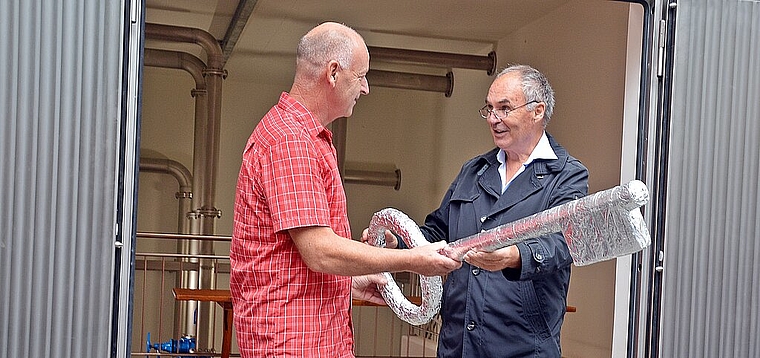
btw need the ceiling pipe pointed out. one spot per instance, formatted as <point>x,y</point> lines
<point>214,73</point>
<point>413,81</point>
<point>372,177</point>
<point>439,59</point>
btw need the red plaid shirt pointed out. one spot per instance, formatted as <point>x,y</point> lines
<point>289,178</point>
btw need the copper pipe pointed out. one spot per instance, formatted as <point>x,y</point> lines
<point>188,35</point>
<point>440,59</point>
<point>413,81</point>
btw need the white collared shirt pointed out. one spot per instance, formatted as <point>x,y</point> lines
<point>543,150</point>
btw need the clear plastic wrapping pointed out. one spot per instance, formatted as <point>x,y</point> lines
<point>431,286</point>
<point>597,227</point>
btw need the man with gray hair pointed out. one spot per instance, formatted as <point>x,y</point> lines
<point>292,257</point>
<point>510,302</point>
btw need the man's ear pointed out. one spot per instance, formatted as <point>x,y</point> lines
<point>539,111</point>
<point>333,68</point>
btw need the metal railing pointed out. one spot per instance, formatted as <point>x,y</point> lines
<point>161,319</point>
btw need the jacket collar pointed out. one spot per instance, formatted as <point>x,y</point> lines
<point>525,184</point>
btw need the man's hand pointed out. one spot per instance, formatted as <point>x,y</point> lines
<point>365,288</point>
<point>428,262</point>
<point>495,261</point>
<point>390,239</point>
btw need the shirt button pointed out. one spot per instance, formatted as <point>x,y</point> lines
<point>471,326</point>
<point>475,271</point>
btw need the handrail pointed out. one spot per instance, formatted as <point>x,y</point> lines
<point>161,235</point>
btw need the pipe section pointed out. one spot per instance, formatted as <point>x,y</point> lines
<point>214,73</point>
<point>196,68</point>
<point>339,128</point>
<point>184,179</point>
<point>205,175</point>
<point>413,81</point>
<point>371,177</point>
<point>184,310</point>
<point>440,59</point>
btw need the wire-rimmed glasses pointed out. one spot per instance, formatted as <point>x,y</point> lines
<point>501,113</point>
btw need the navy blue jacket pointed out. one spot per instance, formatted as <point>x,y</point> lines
<point>515,312</point>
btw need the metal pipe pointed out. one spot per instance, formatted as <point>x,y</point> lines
<point>196,68</point>
<point>177,60</point>
<point>205,174</point>
<point>440,59</point>
<point>214,73</point>
<point>339,127</point>
<point>237,24</point>
<point>413,81</point>
<point>167,236</point>
<point>371,177</point>
<point>184,179</point>
<point>185,310</point>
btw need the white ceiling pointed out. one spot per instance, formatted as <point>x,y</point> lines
<point>265,50</point>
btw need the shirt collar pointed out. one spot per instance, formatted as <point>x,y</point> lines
<point>304,116</point>
<point>543,150</point>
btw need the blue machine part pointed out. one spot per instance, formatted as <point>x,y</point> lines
<point>186,344</point>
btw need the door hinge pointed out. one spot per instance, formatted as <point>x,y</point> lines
<point>661,48</point>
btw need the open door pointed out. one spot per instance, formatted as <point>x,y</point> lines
<point>68,97</point>
<point>701,295</point>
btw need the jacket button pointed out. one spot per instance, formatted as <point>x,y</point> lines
<point>475,271</point>
<point>471,326</point>
<point>483,219</point>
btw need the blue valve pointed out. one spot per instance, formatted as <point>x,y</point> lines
<point>186,344</point>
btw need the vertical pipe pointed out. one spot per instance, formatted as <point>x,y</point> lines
<point>184,322</point>
<point>206,173</point>
<point>184,180</point>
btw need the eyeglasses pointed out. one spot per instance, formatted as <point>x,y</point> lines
<point>500,113</point>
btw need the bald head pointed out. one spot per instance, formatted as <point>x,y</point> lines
<point>327,42</point>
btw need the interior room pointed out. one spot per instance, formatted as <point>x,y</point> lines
<point>405,141</point>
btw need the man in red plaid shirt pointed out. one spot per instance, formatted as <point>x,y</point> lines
<point>294,265</point>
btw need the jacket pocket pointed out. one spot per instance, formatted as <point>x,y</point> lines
<point>533,312</point>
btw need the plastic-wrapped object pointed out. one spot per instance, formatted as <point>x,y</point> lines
<point>431,286</point>
<point>598,227</point>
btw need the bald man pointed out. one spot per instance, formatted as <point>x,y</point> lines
<point>294,264</point>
